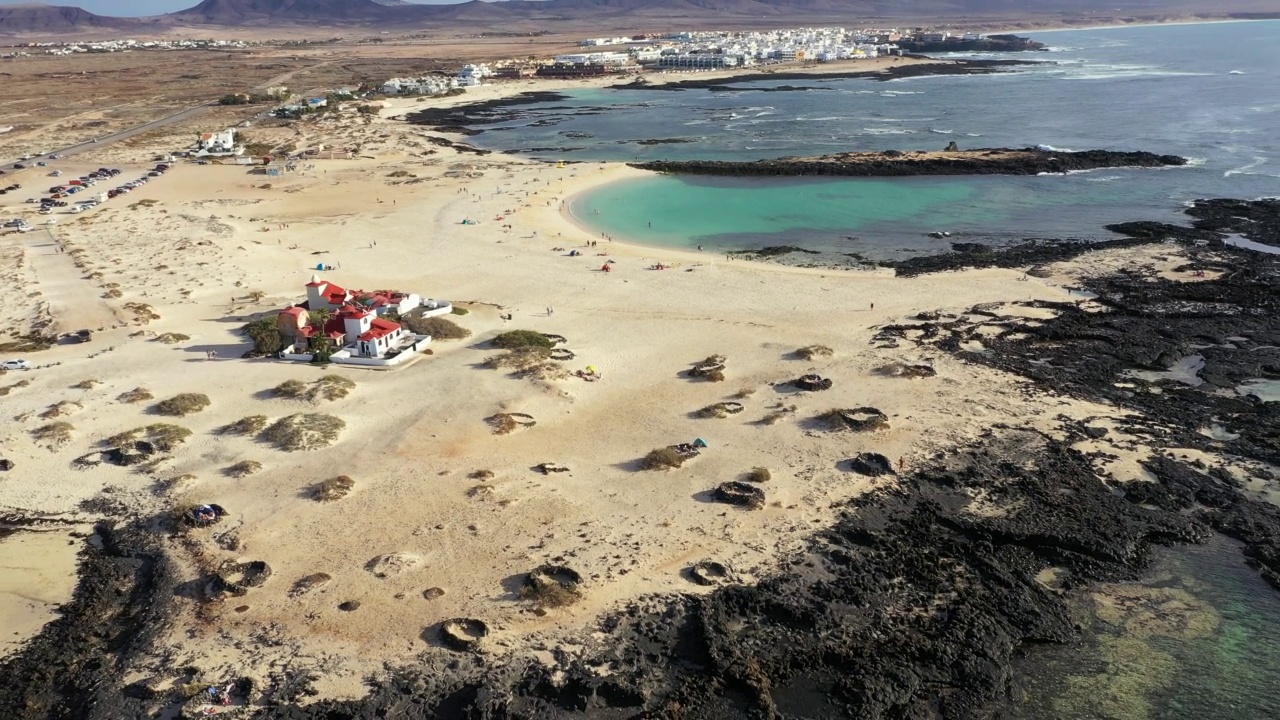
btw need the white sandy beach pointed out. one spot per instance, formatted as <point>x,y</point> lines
<point>196,244</point>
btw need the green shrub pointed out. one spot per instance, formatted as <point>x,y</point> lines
<point>266,338</point>
<point>519,339</point>
<point>437,327</point>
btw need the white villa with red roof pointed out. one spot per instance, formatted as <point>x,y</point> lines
<point>355,326</point>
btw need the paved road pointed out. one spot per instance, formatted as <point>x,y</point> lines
<point>106,140</point>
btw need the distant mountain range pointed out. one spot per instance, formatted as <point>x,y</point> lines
<point>53,19</point>
<point>47,19</point>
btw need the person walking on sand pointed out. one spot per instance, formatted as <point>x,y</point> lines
<point>550,311</point>
<point>902,463</point>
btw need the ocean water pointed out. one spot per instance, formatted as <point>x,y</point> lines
<point>1199,638</point>
<point>1209,92</point>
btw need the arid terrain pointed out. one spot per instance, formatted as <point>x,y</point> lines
<point>465,469</point>
<point>171,272</point>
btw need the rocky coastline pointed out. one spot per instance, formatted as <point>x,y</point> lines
<point>991,43</point>
<point>472,118</point>
<point>894,163</point>
<point>898,72</point>
<point>917,601</point>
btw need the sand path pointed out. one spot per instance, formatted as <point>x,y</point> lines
<point>74,302</point>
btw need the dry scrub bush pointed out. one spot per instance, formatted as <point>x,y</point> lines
<point>329,387</point>
<point>304,431</point>
<point>758,475</point>
<point>502,423</point>
<point>164,436</point>
<point>662,459</point>
<point>550,595</point>
<point>292,389</point>
<point>815,351</point>
<point>9,388</point>
<point>521,360</point>
<point>778,414</point>
<point>251,425</point>
<point>66,407</point>
<point>136,395</point>
<point>87,384</point>
<point>183,404</point>
<point>546,372</point>
<point>437,327</point>
<point>172,338</point>
<point>244,468</point>
<point>715,376</point>
<point>56,433</point>
<point>334,488</point>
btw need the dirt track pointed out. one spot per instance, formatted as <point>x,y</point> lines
<point>74,302</point>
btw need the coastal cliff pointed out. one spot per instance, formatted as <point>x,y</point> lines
<point>893,163</point>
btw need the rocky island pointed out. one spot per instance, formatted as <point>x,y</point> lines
<point>894,163</point>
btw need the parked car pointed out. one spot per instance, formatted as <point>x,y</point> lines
<point>15,365</point>
<point>19,166</point>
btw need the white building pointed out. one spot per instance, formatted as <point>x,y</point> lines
<point>219,144</point>
<point>698,61</point>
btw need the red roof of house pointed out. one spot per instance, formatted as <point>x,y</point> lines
<point>332,294</point>
<point>380,328</point>
<point>354,312</point>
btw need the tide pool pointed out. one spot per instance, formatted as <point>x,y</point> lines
<point>877,218</point>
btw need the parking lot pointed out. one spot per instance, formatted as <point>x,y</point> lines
<point>43,195</point>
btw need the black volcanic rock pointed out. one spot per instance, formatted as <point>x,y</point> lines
<point>984,161</point>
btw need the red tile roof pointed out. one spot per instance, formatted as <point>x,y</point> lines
<point>380,328</point>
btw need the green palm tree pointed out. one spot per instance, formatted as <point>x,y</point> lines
<point>319,317</point>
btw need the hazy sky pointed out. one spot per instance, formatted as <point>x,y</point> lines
<point>124,8</point>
